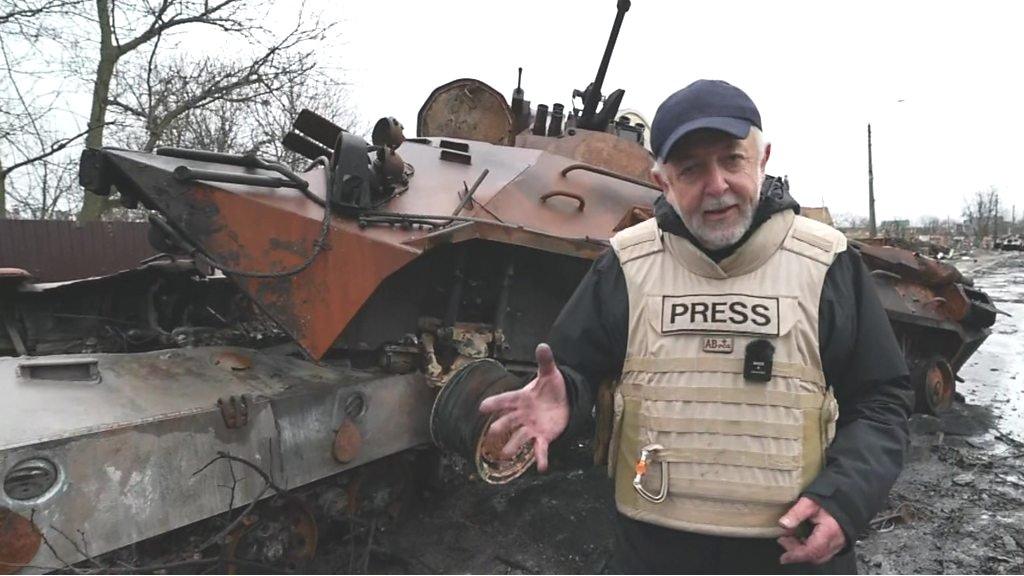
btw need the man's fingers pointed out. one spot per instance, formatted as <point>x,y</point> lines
<point>500,402</point>
<point>503,424</point>
<point>545,360</point>
<point>789,543</point>
<point>804,553</point>
<point>802,510</point>
<point>540,450</point>
<point>520,437</point>
<point>817,549</point>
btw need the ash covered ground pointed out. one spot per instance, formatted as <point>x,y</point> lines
<point>958,506</point>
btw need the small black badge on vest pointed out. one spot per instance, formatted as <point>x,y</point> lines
<point>757,364</point>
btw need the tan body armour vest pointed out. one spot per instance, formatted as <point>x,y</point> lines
<point>696,446</point>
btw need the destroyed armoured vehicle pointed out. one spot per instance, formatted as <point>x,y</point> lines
<point>299,324</point>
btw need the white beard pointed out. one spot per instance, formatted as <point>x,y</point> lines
<point>715,235</point>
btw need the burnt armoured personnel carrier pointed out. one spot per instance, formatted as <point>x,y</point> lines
<point>299,325</point>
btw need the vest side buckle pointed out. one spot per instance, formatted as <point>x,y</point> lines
<point>646,454</point>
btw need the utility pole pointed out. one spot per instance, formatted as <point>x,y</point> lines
<point>995,222</point>
<point>871,188</point>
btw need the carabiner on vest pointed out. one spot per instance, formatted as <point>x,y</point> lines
<point>641,468</point>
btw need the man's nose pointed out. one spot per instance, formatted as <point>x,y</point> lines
<point>715,183</point>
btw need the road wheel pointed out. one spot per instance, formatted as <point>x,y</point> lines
<point>933,386</point>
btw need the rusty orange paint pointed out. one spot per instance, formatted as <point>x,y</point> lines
<point>597,148</point>
<point>347,442</point>
<point>316,304</point>
<point>232,361</point>
<point>19,541</point>
<point>247,228</point>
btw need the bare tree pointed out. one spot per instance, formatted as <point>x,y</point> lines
<point>49,191</point>
<point>258,124</point>
<point>980,212</point>
<point>158,94</point>
<point>24,12</point>
<point>127,26</point>
<point>930,224</point>
<point>849,220</point>
<point>26,137</point>
<point>135,70</point>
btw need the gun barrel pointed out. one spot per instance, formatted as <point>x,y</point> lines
<point>594,94</point>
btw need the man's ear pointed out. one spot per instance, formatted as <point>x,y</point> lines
<point>660,180</point>
<point>767,153</point>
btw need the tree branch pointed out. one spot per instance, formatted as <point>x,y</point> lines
<point>54,148</point>
<point>17,11</point>
<point>127,108</point>
<point>159,25</point>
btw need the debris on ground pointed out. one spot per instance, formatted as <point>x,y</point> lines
<point>957,507</point>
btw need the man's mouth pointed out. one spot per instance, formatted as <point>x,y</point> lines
<point>721,213</point>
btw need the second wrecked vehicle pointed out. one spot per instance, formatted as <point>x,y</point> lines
<point>301,324</point>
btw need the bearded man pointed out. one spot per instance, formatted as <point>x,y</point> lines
<point>761,401</point>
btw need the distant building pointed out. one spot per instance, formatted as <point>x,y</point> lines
<point>820,214</point>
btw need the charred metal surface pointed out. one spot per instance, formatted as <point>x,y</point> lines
<point>910,265</point>
<point>129,445</point>
<point>528,199</point>
<point>526,303</point>
<point>317,128</point>
<point>597,149</point>
<point>166,303</point>
<point>467,109</point>
<point>457,157</point>
<point>313,305</point>
<point>938,319</point>
<point>388,132</point>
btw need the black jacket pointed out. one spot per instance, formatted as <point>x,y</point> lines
<point>862,363</point>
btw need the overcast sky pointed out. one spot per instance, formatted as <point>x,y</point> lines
<point>939,82</point>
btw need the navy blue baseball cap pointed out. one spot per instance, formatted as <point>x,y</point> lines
<point>704,104</point>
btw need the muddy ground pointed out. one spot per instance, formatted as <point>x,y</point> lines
<point>958,507</point>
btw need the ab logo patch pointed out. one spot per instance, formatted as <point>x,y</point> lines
<point>733,313</point>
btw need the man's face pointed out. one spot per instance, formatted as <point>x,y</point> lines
<point>714,180</point>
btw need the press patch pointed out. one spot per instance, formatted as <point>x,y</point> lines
<point>737,313</point>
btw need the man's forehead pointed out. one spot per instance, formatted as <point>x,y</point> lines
<point>703,140</point>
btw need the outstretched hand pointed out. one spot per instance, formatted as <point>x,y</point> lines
<point>538,412</point>
<point>824,542</point>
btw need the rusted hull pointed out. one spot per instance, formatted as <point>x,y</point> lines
<point>938,318</point>
<point>527,198</point>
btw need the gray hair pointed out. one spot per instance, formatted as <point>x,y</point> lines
<point>755,133</point>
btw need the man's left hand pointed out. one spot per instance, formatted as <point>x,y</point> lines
<point>824,542</point>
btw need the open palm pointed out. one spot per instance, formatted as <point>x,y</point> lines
<point>538,412</point>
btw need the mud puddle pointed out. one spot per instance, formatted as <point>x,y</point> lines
<point>994,376</point>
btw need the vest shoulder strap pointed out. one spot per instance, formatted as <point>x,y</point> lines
<point>815,240</point>
<point>637,241</point>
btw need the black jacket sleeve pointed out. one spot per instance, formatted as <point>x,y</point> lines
<point>861,360</point>
<point>589,336</point>
<point>865,368</point>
